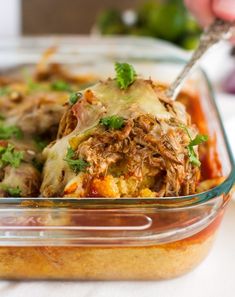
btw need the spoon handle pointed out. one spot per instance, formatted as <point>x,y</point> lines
<point>214,33</point>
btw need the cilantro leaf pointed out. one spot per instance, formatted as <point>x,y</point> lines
<point>74,97</point>
<point>125,75</point>
<point>113,122</point>
<point>10,157</point>
<point>12,191</point>
<point>60,85</point>
<point>76,165</point>
<point>199,139</point>
<point>70,153</point>
<point>7,132</point>
<point>193,157</point>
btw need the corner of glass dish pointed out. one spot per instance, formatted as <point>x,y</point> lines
<point>100,51</point>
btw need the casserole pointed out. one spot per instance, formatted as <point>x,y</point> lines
<point>107,238</point>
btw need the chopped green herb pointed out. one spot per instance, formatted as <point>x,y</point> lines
<point>10,157</point>
<point>70,153</point>
<point>40,143</point>
<point>74,97</point>
<point>4,91</point>
<point>12,191</point>
<point>60,85</point>
<point>125,75</point>
<point>113,122</point>
<point>76,165</point>
<point>7,132</point>
<point>192,156</point>
<point>199,139</point>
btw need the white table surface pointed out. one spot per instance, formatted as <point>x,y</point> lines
<point>215,277</point>
<point>10,17</point>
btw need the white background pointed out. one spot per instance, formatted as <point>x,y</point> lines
<point>9,18</point>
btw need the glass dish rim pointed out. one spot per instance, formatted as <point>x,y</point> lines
<point>195,199</point>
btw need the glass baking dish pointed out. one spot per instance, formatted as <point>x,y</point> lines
<point>104,238</point>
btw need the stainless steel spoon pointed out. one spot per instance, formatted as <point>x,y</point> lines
<point>214,33</point>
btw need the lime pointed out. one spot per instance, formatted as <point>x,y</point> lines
<point>191,26</point>
<point>145,10</point>
<point>190,42</point>
<point>168,21</point>
<point>110,22</point>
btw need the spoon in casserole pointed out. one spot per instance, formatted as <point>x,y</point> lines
<point>213,34</point>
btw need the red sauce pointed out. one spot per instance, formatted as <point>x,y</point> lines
<point>211,165</point>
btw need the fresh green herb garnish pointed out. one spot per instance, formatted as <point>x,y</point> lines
<point>125,75</point>
<point>76,165</point>
<point>199,139</point>
<point>12,191</point>
<point>196,141</point>
<point>8,156</point>
<point>113,122</point>
<point>5,91</point>
<point>60,85</point>
<point>193,157</point>
<point>7,132</point>
<point>40,143</point>
<point>74,97</point>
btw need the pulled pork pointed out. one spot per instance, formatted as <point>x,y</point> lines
<point>147,157</point>
<point>144,148</point>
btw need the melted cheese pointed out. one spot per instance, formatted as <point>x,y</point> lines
<point>139,98</point>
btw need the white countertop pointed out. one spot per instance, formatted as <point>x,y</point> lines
<point>215,277</point>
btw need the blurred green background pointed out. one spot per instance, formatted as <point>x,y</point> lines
<point>167,20</point>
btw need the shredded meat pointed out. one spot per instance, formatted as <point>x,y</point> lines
<point>147,157</point>
<point>39,115</point>
<point>68,123</point>
<point>144,147</point>
<point>26,176</point>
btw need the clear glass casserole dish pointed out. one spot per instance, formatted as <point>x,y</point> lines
<point>104,238</point>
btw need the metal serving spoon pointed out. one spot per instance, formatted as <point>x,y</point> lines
<point>214,33</point>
